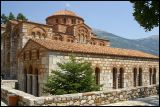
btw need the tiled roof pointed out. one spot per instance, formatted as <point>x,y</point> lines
<point>90,49</point>
<point>64,12</point>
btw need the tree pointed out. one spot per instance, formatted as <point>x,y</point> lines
<point>20,16</point>
<point>73,77</point>
<point>4,19</point>
<point>11,16</point>
<point>146,13</point>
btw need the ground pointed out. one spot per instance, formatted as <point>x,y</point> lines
<point>147,101</point>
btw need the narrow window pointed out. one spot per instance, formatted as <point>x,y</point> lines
<point>114,77</point>
<point>97,75</point>
<point>154,76</point>
<point>135,77</point>
<point>120,78</point>
<point>37,54</point>
<point>30,55</point>
<point>150,76</point>
<point>140,77</point>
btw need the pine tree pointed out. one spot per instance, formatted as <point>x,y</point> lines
<point>20,16</point>
<point>11,16</point>
<point>73,77</point>
<point>4,19</point>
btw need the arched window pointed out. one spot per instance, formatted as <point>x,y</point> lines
<point>33,34</point>
<point>150,76</point>
<point>154,76</point>
<point>73,21</point>
<point>56,20</point>
<point>64,20</point>
<point>39,34</point>
<point>135,77</point>
<point>43,35</point>
<point>97,75</point>
<point>25,80</point>
<point>120,78</point>
<point>140,77</point>
<point>114,71</point>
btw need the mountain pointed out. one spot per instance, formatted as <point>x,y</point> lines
<point>148,45</point>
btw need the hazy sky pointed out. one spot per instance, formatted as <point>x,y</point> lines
<point>112,16</point>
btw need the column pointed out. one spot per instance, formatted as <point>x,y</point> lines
<point>35,85</point>
<point>29,83</point>
<point>117,79</point>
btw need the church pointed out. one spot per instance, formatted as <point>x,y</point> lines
<point>31,50</point>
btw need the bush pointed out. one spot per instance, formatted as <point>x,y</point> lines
<point>73,77</point>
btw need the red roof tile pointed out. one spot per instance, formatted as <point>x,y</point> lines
<point>90,49</point>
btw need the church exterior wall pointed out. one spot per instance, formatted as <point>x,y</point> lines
<point>106,63</point>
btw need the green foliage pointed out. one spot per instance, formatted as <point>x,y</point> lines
<point>20,16</point>
<point>4,18</point>
<point>11,16</point>
<point>146,13</point>
<point>73,77</point>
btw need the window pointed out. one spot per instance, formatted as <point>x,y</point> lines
<point>43,35</point>
<point>73,21</point>
<point>38,33</point>
<point>154,76</point>
<point>150,76</point>
<point>97,75</point>
<point>33,34</point>
<point>135,77</point>
<point>140,77</point>
<point>56,20</point>
<point>120,78</point>
<point>114,78</point>
<point>64,20</point>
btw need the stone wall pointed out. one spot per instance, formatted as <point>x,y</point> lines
<point>9,83</point>
<point>81,99</point>
<point>106,64</point>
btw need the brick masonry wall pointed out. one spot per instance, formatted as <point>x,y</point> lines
<point>106,64</point>
<point>9,83</point>
<point>81,99</point>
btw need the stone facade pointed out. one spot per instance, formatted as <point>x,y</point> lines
<point>48,61</point>
<point>81,99</point>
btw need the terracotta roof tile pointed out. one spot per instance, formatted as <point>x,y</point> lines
<point>91,49</point>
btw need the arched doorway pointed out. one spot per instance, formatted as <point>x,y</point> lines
<point>135,77</point>
<point>121,78</point>
<point>114,71</point>
<point>97,75</point>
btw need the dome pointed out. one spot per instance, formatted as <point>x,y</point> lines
<point>65,12</point>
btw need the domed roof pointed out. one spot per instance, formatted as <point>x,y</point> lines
<point>65,12</point>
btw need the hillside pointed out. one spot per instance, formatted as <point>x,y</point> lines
<point>148,45</point>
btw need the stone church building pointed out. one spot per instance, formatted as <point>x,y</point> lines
<point>31,50</point>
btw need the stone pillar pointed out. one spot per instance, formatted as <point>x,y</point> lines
<point>117,79</point>
<point>35,85</point>
<point>29,83</point>
<point>25,83</point>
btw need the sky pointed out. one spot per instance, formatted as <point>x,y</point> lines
<point>112,16</point>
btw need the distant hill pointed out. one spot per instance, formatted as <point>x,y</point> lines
<point>148,45</point>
